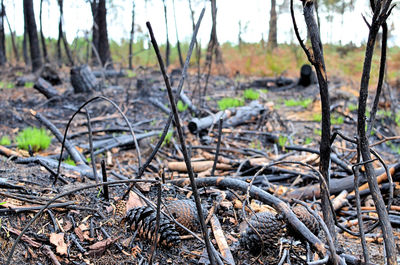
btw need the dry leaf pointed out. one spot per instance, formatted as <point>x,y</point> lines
<point>133,201</point>
<point>100,247</point>
<point>58,241</point>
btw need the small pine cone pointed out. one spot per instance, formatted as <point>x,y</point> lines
<point>308,220</point>
<point>269,227</point>
<point>143,220</point>
<point>185,212</point>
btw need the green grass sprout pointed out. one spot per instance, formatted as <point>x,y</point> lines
<point>5,140</point>
<point>251,94</point>
<point>38,139</point>
<point>227,103</point>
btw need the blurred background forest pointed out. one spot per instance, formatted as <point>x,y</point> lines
<point>254,37</point>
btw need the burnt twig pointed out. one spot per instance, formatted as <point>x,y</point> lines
<point>183,145</point>
<point>381,12</point>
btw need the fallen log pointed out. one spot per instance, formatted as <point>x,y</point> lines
<point>198,166</point>
<point>45,88</point>
<point>82,170</point>
<point>232,117</point>
<point>83,79</point>
<point>197,125</point>
<point>123,140</point>
<point>271,83</point>
<point>336,186</point>
<point>159,105</point>
<point>78,158</point>
<point>109,73</point>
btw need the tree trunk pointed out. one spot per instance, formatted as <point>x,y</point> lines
<point>272,34</point>
<point>167,50</point>
<point>3,58</point>
<point>213,45</point>
<point>33,38</point>
<point>24,47</point>
<point>131,36</point>
<point>44,48</point>
<point>178,44</point>
<point>61,35</point>
<point>103,46</point>
<point>14,46</point>
<point>95,31</point>
<point>59,55</point>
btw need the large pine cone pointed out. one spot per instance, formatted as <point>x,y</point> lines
<point>270,228</point>
<point>185,212</point>
<point>307,219</point>
<point>143,220</point>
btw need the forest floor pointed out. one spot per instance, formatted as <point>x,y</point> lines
<point>85,228</point>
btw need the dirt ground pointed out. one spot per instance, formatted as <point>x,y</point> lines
<point>86,217</point>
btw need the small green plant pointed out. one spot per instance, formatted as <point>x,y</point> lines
<point>256,144</point>
<point>29,84</point>
<point>384,113</point>
<point>130,74</point>
<point>251,94</point>
<point>264,90</point>
<point>167,138</point>
<point>317,117</point>
<point>181,106</point>
<point>10,85</point>
<point>337,120</point>
<point>38,139</point>
<point>5,140</point>
<point>308,141</point>
<point>1,203</point>
<point>395,148</point>
<point>282,141</point>
<point>318,132</point>
<point>6,85</point>
<point>301,102</point>
<point>69,161</point>
<point>397,119</point>
<point>227,103</point>
<point>99,192</point>
<point>352,107</point>
<point>88,159</point>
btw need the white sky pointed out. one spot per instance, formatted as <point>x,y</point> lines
<point>253,13</point>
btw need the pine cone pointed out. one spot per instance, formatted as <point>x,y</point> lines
<point>307,219</point>
<point>143,220</point>
<point>185,212</point>
<point>269,227</point>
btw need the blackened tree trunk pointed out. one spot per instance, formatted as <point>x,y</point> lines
<point>213,45</point>
<point>95,31</point>
<point>12,33</point>
<point>167,50</point>
<point>59,55</point>
<point>272,34</point>
<point>3,58</point>
<point>24,46</point>
<point>32,33</point>
<point>61,36</point>
<point>43,40</point>
<point>178,44</point>
<point>131,36</point>
<point>100,35</point>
